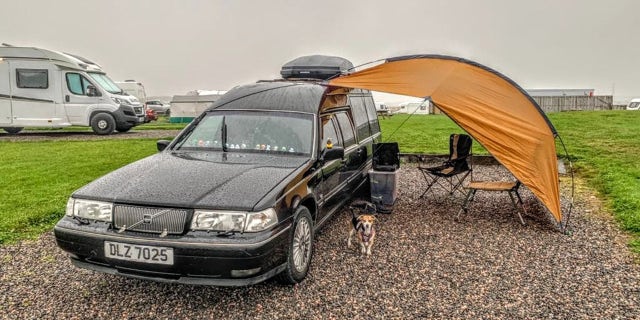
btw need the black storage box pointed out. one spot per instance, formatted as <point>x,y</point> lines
<point>386,156</point>
<point>315,67</point>
<point>384,189</point>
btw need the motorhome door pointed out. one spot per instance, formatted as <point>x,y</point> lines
<point>77,101</point>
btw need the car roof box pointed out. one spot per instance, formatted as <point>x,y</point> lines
<point>315,67</point>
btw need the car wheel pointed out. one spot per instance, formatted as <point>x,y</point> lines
<point>300,248</point>
<point>103,123</point>
<point>12,130</point>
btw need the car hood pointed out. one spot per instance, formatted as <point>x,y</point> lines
<point>216,180</point>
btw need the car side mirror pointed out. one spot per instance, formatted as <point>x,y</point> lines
<point>332,154</point>
<point>162,144</point>
<point>92,91</point>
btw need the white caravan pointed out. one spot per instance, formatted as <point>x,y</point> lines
<point>634,104</point>
<point>43,88</point>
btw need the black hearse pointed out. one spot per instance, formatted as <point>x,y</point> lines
<point>237,196</point>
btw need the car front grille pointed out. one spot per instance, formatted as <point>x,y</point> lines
<point>152,220</point>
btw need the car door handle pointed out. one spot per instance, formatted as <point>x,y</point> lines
<point>66,98</point>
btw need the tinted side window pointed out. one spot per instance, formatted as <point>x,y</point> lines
<point>372,115</point>
<point>348,136</point>
<point>32,78</point>
<point>360,116</point>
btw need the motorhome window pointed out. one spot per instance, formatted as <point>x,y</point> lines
<point>348,136</point>
<point>360,117</point>
<point>77,84</point>
<point>329,132</point>
<point>271,132</point>
<point>105,82</point>
<point>374,125</point>
<point>32,78</point>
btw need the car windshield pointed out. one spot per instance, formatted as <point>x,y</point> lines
<point>105,82</point>
<point>248,131</point>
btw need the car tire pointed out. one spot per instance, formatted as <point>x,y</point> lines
<point>300,248</point>
<point>103,123</point>
<point>12,130</point>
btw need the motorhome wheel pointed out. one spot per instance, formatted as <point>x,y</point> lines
<point>103,123</point>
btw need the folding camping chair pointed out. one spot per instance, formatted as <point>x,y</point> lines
<point>452,172</point>
<point>509,187</point>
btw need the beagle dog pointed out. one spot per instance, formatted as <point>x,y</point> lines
<point>362,227</point>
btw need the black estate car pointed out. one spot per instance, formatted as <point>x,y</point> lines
<point>237,196</point>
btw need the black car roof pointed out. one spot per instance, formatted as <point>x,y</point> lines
<point>273,95</point>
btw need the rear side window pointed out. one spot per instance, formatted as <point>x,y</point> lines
<point>348,136</point>
<point>360,116</point>
<point>32,78</point>
<point>372,115</point>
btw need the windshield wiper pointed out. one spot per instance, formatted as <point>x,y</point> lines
<point>225,147</point>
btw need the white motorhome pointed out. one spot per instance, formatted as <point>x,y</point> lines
<point>634,104</point>
<point>133,88</point>
<point>43,88</point>
<point>415,107</point>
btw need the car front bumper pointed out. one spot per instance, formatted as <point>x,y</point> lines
<point>199,258</point>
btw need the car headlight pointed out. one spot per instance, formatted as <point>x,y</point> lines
<point>225,221</point>
<point>89,209</point>
<point>230,221</point>
<point>258,221</point>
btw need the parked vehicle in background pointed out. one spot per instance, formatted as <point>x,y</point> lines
<point>158,106</point>
<point>237,196</point>
<point>150,115</point>
<point>634,104</point>
<point>44,88</point>
<point>133,88</point>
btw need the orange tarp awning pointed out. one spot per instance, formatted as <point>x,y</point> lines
<point>494,110</point>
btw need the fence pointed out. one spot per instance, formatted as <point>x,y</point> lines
<point>575,103</point>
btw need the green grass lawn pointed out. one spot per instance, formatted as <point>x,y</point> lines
<point>38,177</point>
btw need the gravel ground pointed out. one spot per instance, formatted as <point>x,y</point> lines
<point>424,265</point>
<point>43,135</point>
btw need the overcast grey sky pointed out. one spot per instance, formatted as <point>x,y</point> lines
<point>177,46</point>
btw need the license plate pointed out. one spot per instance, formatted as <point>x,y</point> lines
<point>138,253</point>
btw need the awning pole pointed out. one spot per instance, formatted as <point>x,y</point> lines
<point>564,227</point>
